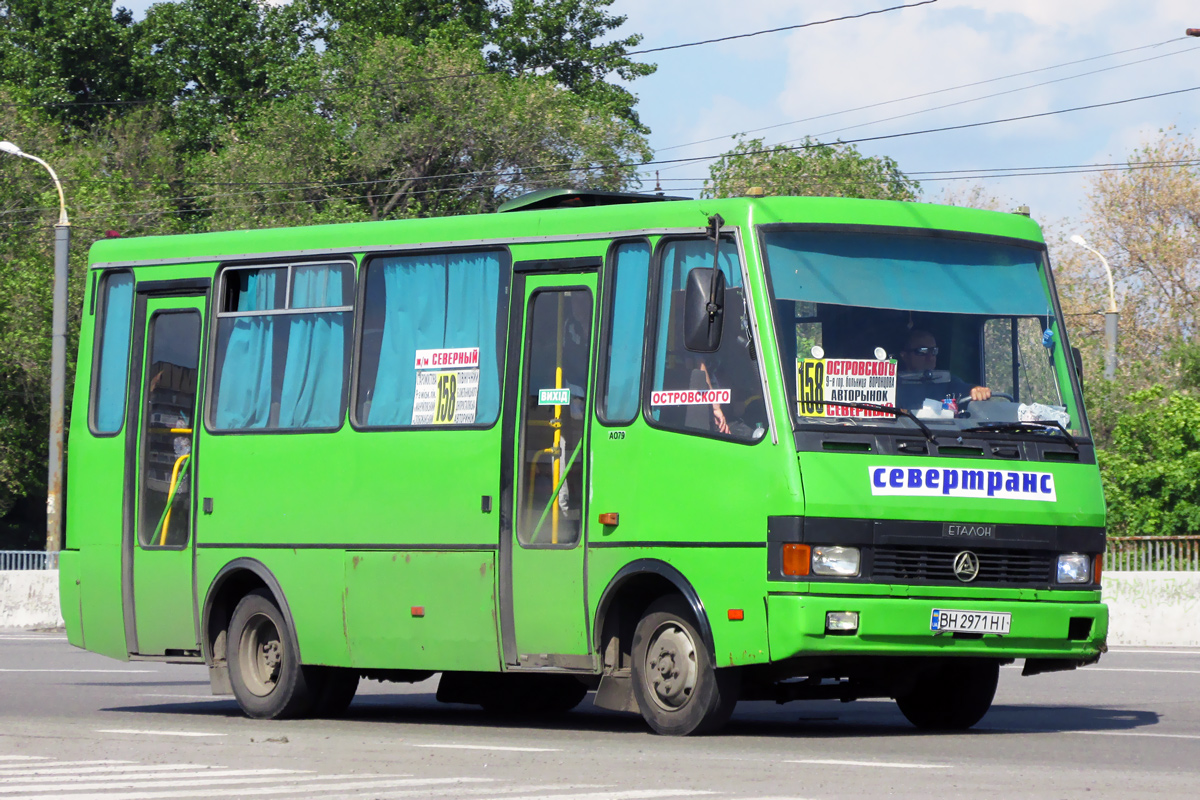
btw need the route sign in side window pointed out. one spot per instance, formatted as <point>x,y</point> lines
<point>718,393</point>
<point>433,332</point>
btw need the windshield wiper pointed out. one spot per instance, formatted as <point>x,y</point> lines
<point>1029,425</point>
<point>899,412</point>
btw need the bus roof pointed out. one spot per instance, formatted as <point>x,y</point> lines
<point>533,225</point>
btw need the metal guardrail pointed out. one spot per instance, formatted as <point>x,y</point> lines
<point>1153,553</point>
<point>27,559</point>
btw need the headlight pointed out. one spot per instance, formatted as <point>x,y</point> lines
<point>835,560</point>
<point>1074,568</point>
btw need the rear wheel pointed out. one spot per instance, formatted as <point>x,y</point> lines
<point>264,667</point>
<point>678,687</point>
<point>953,696</point>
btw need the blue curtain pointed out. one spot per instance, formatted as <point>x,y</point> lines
<point>244,392</point>
<point>112,382</point>
<point>434,302</point>
<point>632,272</point>
<point>314,368</point>
<point>679,258</point>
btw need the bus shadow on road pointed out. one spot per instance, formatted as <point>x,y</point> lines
<point>818,720</point>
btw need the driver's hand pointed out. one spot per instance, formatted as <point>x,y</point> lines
<point>981,393</point>
<point>719,419</point>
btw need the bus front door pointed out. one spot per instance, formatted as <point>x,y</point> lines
<point>544,619</point>
<point>158,540</point>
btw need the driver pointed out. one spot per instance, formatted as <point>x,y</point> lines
<point>919,360</point>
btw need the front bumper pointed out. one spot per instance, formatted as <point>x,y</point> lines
<point>899,626</point>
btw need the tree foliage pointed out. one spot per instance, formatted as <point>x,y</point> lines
<point>807,169</point>
<point>221,114</point>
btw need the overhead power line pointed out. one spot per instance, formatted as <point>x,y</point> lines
<point>778,30</point>
<point>525,174</point>
<point>270,95</point>
<point>941,91</point>
<point>929,176</point>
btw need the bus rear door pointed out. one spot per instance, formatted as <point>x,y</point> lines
<point>544,622</point>
<point>157,559</point>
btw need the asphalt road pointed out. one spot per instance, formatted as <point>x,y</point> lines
<point>77,725</point>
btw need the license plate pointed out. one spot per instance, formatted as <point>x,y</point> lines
<point>947,620</point>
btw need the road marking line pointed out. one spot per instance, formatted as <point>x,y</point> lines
<point>24,758</point>
<point>205,772</point>
<point>1136,733</point>
<point>494,791</point>
<point>90,671</point>
<point>9,769</point>
<point>636,794</point>
<point>33,638</point>
<point>340,787</point>
<point>1131,669</point>
<point>187,696</point>
<point>492,747</point>
<point>842,763</point>
<point>1113,651</point>
<point>157,733</point>
<point>157,782</point>
<point>59,770</point>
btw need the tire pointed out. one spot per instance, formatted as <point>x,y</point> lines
<point>264,667</point>
<point>332,688</point>
<point>678,688</point>
<point>953,696</point>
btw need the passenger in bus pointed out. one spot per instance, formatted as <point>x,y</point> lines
<point>920,380</point>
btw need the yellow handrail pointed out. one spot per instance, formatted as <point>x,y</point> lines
<point>171,497</point>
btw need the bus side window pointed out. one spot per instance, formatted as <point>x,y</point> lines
<point>716,393</point>
<point>283,347</point>
<point>625,326</point>
<point>113,324</point>
<point>434,327</point>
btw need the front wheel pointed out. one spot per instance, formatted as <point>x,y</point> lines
<point>264,667</point>
<point>678,687</point>
<point>953,696</point>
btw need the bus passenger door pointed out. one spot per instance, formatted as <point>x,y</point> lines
<point>160,469</point>
<point>543,605</point>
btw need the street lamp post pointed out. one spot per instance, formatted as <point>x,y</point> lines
<point>58,362</point>
<point>1110,316</point>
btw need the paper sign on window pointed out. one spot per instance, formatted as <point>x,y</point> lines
<point>452,358</point>
<point>820,381</point>
<point>446,398</point>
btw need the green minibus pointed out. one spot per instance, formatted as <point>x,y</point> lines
<point>676,452</point>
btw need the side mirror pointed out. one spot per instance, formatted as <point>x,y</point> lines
<point>1077,357</point>
<point>703,313</point>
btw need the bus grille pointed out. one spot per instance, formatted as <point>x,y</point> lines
<point>915,565</point>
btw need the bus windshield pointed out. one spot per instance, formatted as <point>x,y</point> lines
<point>960,332</point>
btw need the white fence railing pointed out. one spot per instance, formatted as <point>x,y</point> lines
<point>27,559</point>
<point>1153,553</point>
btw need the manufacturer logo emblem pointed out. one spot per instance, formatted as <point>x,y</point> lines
<point>966,566</point>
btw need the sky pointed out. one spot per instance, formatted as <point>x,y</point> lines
<point>815,77</point>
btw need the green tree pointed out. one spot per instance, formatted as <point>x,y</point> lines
<point>1151,470</point>
<point>808,169</point>
<point>67,55</point>
<point>414,145</point>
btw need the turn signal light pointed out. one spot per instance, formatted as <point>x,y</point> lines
<point>610,518</point>
<point>1096,567</point>
<point>797,559</point>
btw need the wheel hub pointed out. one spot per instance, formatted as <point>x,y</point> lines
<point>260,655</point>
<point>671,666</point>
